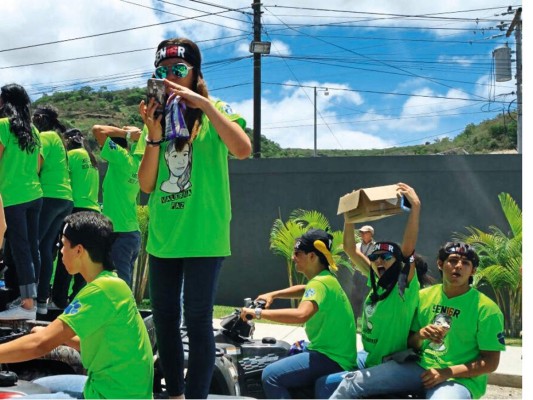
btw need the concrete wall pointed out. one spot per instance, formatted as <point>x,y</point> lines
<point>456,191</point>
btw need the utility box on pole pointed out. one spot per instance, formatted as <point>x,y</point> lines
<point>502,64</point>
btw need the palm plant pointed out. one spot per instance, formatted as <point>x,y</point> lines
<point>500,263</point>
<point>284,234</point>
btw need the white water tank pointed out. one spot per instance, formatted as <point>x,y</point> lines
<point>502,62</point>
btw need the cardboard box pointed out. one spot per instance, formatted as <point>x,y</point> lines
<point>372,203</point>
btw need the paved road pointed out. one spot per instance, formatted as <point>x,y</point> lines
<point>502,392</point>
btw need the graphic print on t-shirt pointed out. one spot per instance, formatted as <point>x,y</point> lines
<point>444,321</point>
<point>179,164</point>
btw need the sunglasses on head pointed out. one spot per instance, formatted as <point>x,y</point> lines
<point>384,256</point>
<point>180,70</point>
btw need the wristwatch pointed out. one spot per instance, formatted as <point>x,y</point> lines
<point>153,142</point>
<point>258,312</point>
<point>128,135</point>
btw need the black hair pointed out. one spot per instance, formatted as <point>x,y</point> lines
<point>306,242</point>
<point>122,142</point>
<point>74,140</point>
<point>45,118</point>
<point>94,232</point>
<point>192,116</point>
<point>422,272</point>
<point>16,108</point>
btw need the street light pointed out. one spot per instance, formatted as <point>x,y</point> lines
<point>326,93</point>
<point>259,47</point>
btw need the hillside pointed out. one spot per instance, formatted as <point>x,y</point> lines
<point>86,107</point>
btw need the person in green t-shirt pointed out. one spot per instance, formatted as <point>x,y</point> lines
<point>185,171</point>
<point>119,192</point>
<point>57,195</point>
<point>458,332</point>
<point>326,312</point>
<point>102,322</point>
<point>393,298</point>
<point>85,182</point>
<point>22,195</point>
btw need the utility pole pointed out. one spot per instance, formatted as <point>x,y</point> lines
<point>516,25</point>
<point>257,81</point>
<point>314,154</point>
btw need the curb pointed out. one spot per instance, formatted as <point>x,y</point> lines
<point>507,380</point>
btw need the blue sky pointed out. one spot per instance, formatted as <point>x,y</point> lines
<point>396,72</point>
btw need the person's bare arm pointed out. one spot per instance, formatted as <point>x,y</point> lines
<point>486,363</point>
<point>150,161</point>
<point>3,225</point>
<point>359,260</point>
<point>36,344</point>
<point>102,132</point>
<point>299,315</point>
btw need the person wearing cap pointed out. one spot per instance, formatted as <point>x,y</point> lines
<point>185,171</point>
<point>85,182</point>
<point>367,239</point>
<point>458,332</point>
<point>393,298</point>
<point>324,309</point>
<point>119,192</point>
<point>102,322</point>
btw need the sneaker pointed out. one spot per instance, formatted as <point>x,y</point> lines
<point>15,303</point>
<point>42,308</point>
<point>54,307</point>
<point>18,312</point>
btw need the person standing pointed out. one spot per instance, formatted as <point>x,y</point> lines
<point>360,288</point>
<point>458,332</point>
<point>57,196</point>
<point>188,232</point>
<point>22,194</point>
<point>120,191</point>
<point>85,182</point>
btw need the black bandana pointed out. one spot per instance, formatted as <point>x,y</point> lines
<point>183,51</point>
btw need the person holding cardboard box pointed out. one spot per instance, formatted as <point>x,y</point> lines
<point>389,307</point>
<point>458,332</point>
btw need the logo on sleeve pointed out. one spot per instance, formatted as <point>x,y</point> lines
<point>73,308</point>
<point>112,145</point>
<point>501,338</point>
<point>227,109</point>
<point>309,292</point>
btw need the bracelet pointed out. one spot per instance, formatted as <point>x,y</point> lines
<point>153,142</point>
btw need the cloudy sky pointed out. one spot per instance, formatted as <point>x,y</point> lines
<point>386,73</point>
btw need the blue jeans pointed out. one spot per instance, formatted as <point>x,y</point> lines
<point>124,252</point>
<point>326,385</point>
<point>295,371</point>
<point>23,237</point>
<point>53,212</point>
<point>392,377</point>
<point>61,386</point>
<point>199,277</point>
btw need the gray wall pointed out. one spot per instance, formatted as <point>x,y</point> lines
<point>455,191</point>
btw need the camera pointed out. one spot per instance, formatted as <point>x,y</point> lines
<point>156,88</point>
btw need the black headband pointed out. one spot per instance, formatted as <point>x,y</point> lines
<point>183,51</point>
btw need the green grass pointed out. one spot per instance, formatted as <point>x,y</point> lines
<point>513,342</point>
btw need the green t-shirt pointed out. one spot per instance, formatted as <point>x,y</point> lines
<point>120,187</point>
<point>475,323</point>
<point>190,207</point>
<point>331,330</point>
<point>84,179</point>
<point>54,176</point>
<point>385,325</point>
<point>115,347</point>
<point>19,179</point>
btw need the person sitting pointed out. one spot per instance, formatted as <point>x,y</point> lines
<point>326,312</point>
<point>102,321</point>
<point>458,332</point>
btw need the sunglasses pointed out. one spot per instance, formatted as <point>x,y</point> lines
<point>384,256</point>
<point>180,70</point>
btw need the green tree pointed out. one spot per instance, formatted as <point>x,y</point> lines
<point>284,234</point>
<point>500,263</point>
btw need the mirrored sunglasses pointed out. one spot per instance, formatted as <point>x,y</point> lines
<point>180,70</point>
<point>384,256</point>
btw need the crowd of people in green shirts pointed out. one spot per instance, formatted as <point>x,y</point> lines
<point>441,340</point>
